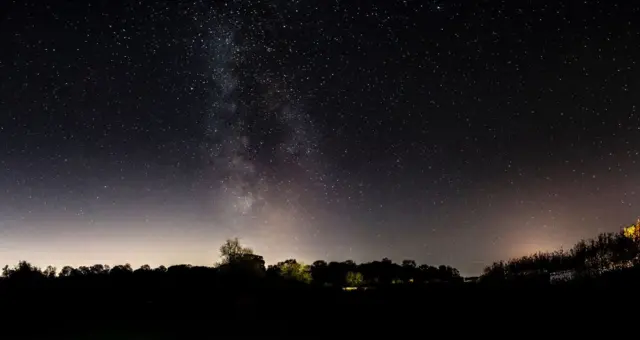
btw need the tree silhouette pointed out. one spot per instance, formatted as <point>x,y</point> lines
<point>99,269</point>
<point>22,271</point>
<point>409,271</point>
<point>145,268</point>
<point>66,271</point>
<point>589,258</point>
<point>320,273</point>
<point>232,251</point>
<point>239,261</point>
<point>49,272</point>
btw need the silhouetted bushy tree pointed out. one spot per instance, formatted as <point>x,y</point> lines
<point>240,262</point>
<point>232,251</point>
<point>23,271</point>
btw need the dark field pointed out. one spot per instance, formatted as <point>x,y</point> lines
<point>297,311</point>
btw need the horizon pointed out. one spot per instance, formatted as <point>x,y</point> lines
<point>269,260</point>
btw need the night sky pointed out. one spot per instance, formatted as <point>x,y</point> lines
<point>448,132</point>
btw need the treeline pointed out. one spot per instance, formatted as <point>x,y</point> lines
<point>240,264</point>
<point>607,254</point>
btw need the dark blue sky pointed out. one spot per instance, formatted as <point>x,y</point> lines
<point>449,132</point>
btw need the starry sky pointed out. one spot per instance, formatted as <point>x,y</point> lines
<point>449,132</point>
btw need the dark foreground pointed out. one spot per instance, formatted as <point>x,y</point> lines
<point>304,312</point>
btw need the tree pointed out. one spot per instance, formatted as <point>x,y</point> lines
<point>587,258</point>
<point>22,271</point>
<point>354,279</point>
<point>50,272</point>
<point>408,271</point>
<point>66,271</point>
<point>240,261</point>
<point>319,272</point>
<point>409,263</point>
<point>292,270</point>
<point>232,251</point>
<point>98,269</point>
<point>84,270</point>
<point>336,273</point>
<point>633,231</point>
<point>121,269</point>
<point>252,264</point>
<point>145,268</point>
<point>388,271</point>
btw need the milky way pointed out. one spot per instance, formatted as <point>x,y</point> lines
<point>260,144</point>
